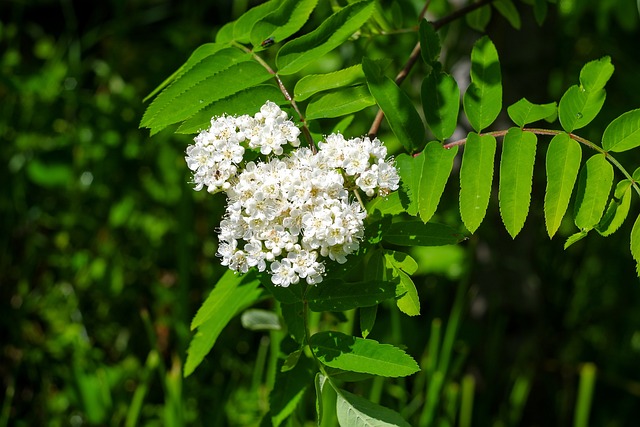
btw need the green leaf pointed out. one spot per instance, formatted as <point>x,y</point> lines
<point>595,74</point>
<point>388,205</point>
<point>575,238</point>
<point>212,79</point>
<point>410,170</point>
<point>437,165</point>
<point>403,119</point>
<point>353,410</point>
<point>594,185</point>
<point>244,24</point>
<point>286,20</point>
<point>339,103</point>
<point>429,42</point>
<point>367,319</point>
<point>524,112</point>
<point>578,107</point>
<point>325,399</point>
<point>540,11</point>
<point>417,233</point>
<point>335,30</point>
<point>293,316</point>
<point>509,11</point>
<point>617,210</point>
<point>479,18</point>
<point>476,177</point>
<point>516,172</point>
<point>337,295</point>
<point>409,303</point>
<point>231,295</point>
<point>562,165</point>
<point>400,261</point>
<point>635,243</point>
<point>623,133</point>
<point>483,99</point>
<point>349,353</point>
<point>314,83</point>
<point>246,101</point>
<point>440,102</point>
<point>255,319</point>
<point>289,388</point>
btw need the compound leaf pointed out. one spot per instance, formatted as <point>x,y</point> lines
<point>476,176</point>
<point>594,185</point>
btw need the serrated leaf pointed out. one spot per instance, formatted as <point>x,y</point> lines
<point>479,18</point>
<point>562,165</point>
<point>438,162</point>
<point>417,233</point>
<point>476,177</point>
<point>198,88</point>
<point>243,25</point>
<point>246,101</point>
<point>300,52</point>
<point>575,238</point>
<point>441,103</point>
<point>225,33</point>
<point>578,107</point>
<point>509,11</point>
<point>349,353</point>
<point>231,294</point>
<point>337,295</point>
<point>293,318</point>
<point>255,319</point>
<point>367,319</point>
<point>410,170</point>
<point>314,83</point>
<point>289,388</point>
<point>524,112</point>
<point>353,410</point>
<point>403,119</point>
<point>617,210</point>
<point>483,99</point>
<point>429,42</point>
<point>516,173</point>
<point>595,74</point>
<point>635,244</point>
<point>339,103</point>
<point>594,185</point>
<point>286,20</point>
<point>623,133</point>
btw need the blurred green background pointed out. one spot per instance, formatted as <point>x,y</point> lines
<point>107,252</point>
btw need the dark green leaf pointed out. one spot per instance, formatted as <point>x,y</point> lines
<point>403,119</point>
<point>524,112</point>
<point>339,102</point>
<point>623,133</point>
<point>509,11</point>
<point>617,210</point>
<point>367,319</point>
<point>438,162</point>
<point>516,172</point>
<point>353,410</point>
<point>476,177</point>
<point>594,185</point>
<point>578,107</point>
<point>417,233</point>
<point>337,295</point>
<point>429,42</point>
<point>314,83</point>
<point>540,10</point>
<point>479,18</point>
<point>289,389</point>
<point>293,318</point>
<point>635,243</point>
<point>562,165</point>
<point>483,99</point>
<point>410,170</point>
<point>441,103</point>
<point>349,353</point>
<point>300,52</point>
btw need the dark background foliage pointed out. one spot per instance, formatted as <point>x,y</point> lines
<point>107,252</point>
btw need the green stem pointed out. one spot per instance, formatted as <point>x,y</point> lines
<point>551,132</point>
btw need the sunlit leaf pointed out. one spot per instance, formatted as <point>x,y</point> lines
<point>476,177</point>
<point>437,165</point>
<point>355,354</point>
<point>575,238</point>
<point>281,23</point>
<point>617,210</point>
<point>578,107</point>
<point>483,99</point>
<point>314,83</point>
<point>562,165</point>
<point>516,172</point>
<point>595,74</point>
<point>441,103</point>
<point>243,25</point>
<point>403,119</point>
<point>623,133</point>
<point>339,103</point>
<point>594,185</point>
<point>524,112</point>
<point>354,410</point>
<point>300,52</point>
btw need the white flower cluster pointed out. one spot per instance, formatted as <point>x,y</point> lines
<point>288,213</point>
